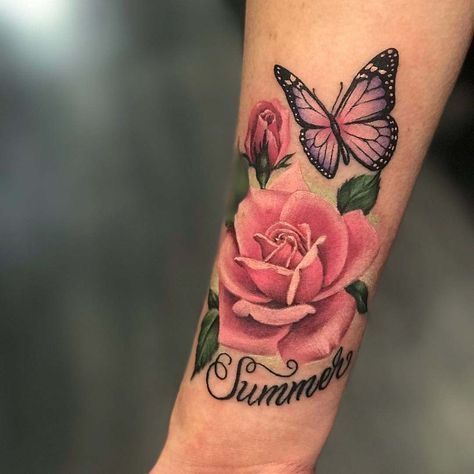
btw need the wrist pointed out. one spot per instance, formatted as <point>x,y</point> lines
<point>198,443</point>
<point>209,462</point>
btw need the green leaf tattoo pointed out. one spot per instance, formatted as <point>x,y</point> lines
<point>207,340</point>
<point>359,192</point>
<point>284,162</point>
<point>358,290</point>
<point>262,168</point>
<point>212,300</point>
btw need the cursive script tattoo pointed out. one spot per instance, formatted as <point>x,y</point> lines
<point>223,370</point>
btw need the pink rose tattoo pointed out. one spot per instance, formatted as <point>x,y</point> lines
<point>267,140</point>
<point>291,263</point>
<point>284,270</point>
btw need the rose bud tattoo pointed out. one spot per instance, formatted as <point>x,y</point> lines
<point>267,139</point>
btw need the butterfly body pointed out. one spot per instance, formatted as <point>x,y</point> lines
<point>336,130</point>
<point>359,126</point>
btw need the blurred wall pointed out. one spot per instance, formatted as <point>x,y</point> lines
<point>115,118</point>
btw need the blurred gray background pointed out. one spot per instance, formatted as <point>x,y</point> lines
<point>115,119</point>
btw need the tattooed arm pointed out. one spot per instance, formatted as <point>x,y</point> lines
<point>326,169</point>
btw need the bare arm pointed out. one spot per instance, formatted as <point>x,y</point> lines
<point>329,178</point>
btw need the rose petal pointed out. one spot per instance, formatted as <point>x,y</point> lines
<point>294,251</point>
<point>274,124</point>
<point>267,246</point>
<point>324,220</point>
<point>271,252</point>
<point>307,278</point>
<point>272,148</point>
<point>290,180</point>
<point>280,227</point>
<point>316,336</point>
<point>363,244</point>
<point>284,137</point>
<point>363,248</point>
<point>305,230</point>
<point>270,279</point>
<point>233,276</point>
<point>285,255</point>
<point>246,334</point>
<point>260,133</point>
<point>273,316</point>
<point>257,211</point>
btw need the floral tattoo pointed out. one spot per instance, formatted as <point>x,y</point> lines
<point>293,257</point>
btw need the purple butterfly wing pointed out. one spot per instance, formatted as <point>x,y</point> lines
<point>322,149</point>
<point>368,131</point>
<point>371,143</point>
<point>317,138</point>
<point>309,112</point>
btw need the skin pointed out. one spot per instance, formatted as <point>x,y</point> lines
<point>323,42</point>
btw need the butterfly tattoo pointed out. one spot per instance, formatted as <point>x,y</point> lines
<point>359,125</point>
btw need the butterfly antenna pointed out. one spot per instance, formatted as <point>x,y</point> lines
<point>341,86</point>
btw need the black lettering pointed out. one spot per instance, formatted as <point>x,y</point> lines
<point>221,386</point>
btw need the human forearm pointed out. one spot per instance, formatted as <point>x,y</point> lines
<point>263,311</point>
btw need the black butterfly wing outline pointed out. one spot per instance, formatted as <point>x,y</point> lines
<point>317,137</point>
<point>308,110</point>
<point>361,125</point>
<point>368,131</point>
<point>322,148</point>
